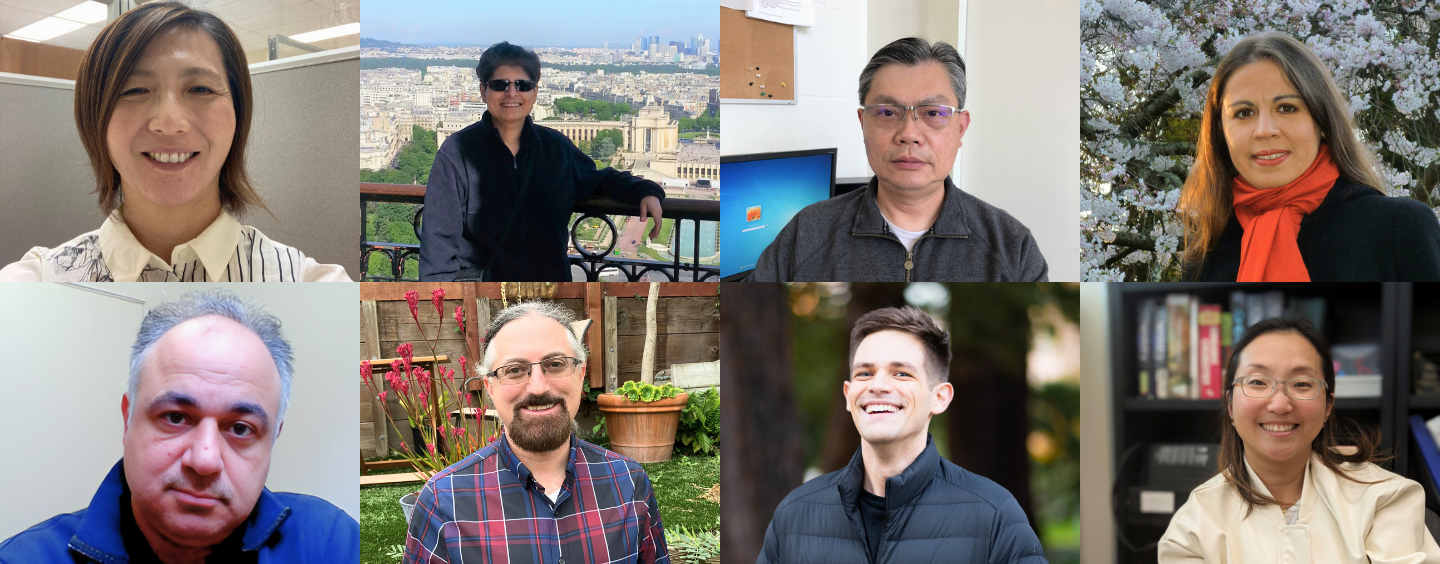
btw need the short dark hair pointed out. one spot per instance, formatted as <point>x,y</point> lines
<point>504,53</point>
<point>912,51</point>
<point>911,320</point>
<point>109,62</point>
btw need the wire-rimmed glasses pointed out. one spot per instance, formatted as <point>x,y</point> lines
<point>519,373</point>
<point>934,116</point>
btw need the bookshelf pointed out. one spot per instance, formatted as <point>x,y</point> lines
<point>1354,313</point>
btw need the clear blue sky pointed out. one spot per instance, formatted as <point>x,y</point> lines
<point>538,23</point>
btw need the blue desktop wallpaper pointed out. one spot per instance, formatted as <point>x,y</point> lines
<point>779,188</point>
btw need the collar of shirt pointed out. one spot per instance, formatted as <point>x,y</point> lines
<point>900,489</point>
<point>950,222</point>
<point>127,258</point>
<point>512,462</point>
<point>1273,512</point>
<point>99,536</point>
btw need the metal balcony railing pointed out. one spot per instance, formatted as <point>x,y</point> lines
<point>593,263</point>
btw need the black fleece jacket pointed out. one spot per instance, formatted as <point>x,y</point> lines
<point>1356,234</point>
<point>472,192</point>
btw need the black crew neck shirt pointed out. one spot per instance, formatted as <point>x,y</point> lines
<point>872,514</point>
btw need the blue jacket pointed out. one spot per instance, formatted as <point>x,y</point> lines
<point>935,512</point>
<point>284,527</point>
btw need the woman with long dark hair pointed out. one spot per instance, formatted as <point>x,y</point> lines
<point>1284,190</point>
<point>1286,491</point>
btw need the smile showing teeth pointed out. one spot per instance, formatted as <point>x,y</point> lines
<point>1271,157</point>
<point>170,157</point>
<point>1280,428</point>
<point>540,407</point>
<point>881,408</point>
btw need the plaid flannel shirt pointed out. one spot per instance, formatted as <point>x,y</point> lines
<point>489,508</point>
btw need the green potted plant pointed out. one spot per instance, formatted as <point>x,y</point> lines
<point>642,418</point>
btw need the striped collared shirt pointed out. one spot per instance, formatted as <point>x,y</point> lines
<point>489,508</point>
<point>226,251</point>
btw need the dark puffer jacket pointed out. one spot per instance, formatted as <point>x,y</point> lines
<point>936,512</point>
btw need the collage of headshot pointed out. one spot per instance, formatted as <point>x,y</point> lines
<point>1004,281</point>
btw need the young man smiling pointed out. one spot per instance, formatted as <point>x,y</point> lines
<point>898,500</point>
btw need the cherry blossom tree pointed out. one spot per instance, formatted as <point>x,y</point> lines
<point>1145,67</point>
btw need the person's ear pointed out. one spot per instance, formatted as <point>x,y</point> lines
<point>860,116</point>
<point>280,430</point>
<point>125,410</point>
<point>943,394</point>
<point>964,123</point>
<point>845,391</point>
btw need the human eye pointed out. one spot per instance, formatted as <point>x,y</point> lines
<point>884,111</point>
<point>1303,384</point>
<point>202,90</point>
<point>134,91</point>
<point>555,365</point>
<point>1256,382</point>
<point>173,418</point>
<point>513,370</point>
<point>903,375</point>
<point>1243,113</point>
<point>1288,108</point>
<point>242,430</point>
<point>862,375</point>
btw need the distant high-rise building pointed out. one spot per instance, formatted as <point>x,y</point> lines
<point>654,39</point>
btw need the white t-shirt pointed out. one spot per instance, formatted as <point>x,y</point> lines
<point>226,251</point>
<point>907,238</point>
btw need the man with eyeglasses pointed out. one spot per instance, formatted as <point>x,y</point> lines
<point>538,493</point>
<point>911,223</point>
<point>501,191</point>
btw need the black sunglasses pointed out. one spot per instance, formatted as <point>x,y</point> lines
<point>501,85</point>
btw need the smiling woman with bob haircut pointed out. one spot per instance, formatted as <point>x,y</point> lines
<point>1283,189</point>
<point>163,106</point>
<point>1284,491</point>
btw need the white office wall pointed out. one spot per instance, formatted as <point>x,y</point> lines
<point>828,60</point>
<point>60,419</point>
<point>1021,152</point>
<point>1097,529</point>
<point>304,138</point>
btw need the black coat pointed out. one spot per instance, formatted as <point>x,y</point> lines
<point>936,512</point>
<point>471,195</point>
<point>1356,234</point>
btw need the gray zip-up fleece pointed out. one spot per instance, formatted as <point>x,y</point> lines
<point>845,239</point>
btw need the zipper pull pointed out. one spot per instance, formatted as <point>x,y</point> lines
<point>516,160</point>
<point>908,265</point>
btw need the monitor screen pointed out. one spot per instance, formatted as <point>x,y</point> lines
<point>760,194</point>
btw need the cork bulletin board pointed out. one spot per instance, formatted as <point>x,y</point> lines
<point>759,60</point>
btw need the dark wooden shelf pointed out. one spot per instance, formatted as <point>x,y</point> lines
<point>1424,402</point>
<point>1152,405</point>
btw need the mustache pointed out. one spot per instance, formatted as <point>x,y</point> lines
<point>215,490</point>
<point>537,401</point>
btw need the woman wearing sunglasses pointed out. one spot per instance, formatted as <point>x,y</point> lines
<point>501,191</point>
<point>1283,190</point>
<point>1284,491</point>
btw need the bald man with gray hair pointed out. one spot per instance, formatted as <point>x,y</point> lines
<point>911,223</point>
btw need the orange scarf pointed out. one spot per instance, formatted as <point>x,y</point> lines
<point>1271,218</point>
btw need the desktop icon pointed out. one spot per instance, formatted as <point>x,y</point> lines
<point>752,213</point>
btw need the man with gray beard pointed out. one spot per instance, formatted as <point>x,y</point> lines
<point>538,493</point>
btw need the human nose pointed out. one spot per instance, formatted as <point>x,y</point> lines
<point>537,383</point>
<point>1265,125</point>
<point>168,117</point>
<point>909,131</point>
<point>1280,401</point>
<point>203,454</point>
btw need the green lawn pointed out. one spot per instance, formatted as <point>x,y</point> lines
<point>665,228</point>
<point>678,483</point>
<point>652,254</point>
<point>699,134</point>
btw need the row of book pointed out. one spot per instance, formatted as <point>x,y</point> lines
<point>1184,344</point>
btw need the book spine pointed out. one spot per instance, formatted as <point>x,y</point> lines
<point>1143,332</point>
<point>1209,351</point>
<point>1178,353</point>
<point>1194,347</point>
<point>1160,368</point>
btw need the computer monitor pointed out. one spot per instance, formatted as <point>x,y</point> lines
<point>761,192</point>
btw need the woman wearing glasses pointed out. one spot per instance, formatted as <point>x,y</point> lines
<point>501,191</point>
<point>1285,492</point>
<point>1283,190</point>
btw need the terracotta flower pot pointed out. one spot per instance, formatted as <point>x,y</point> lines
<point>644,432</point>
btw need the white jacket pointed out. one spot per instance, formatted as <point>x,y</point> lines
<point>1340,521</point>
